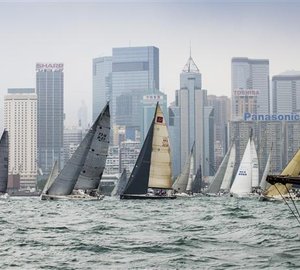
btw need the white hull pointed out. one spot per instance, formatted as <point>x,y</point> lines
<point>82,197</point>
<point>4,196</point>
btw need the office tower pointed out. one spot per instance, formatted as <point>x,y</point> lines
<point>222,113</point>
<point>20,119</point>
<point>148,108</point>
<point>112,165</point>
<point>249,86</point>
<point>72,138</point>
<point>102,67</point>
<point>135,73</point>
<point>50,114</point>
<point>191,100</point>
<point>129,152</point>
<point>286,92</point>
<point>209,168</point>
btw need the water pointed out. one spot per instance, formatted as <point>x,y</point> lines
<point>186,233</point>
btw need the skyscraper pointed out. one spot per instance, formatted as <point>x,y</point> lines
<point>102,67</point>
<point>50,114</point>
<point>135,73</point>
<point>20,119</point>
<point>286,92</point>
<point>191,100</point>
<point>250,86</point>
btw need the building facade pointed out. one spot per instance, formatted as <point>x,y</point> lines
<point>20,119</point>
<point>286,92</point>
<point>50,114</point>
<point>135,73</point>
<point>249,86</point>
<point>102,67</point>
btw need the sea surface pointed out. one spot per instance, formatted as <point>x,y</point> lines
<point>186,233</point>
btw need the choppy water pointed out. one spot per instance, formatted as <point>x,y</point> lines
<point>186,233</point>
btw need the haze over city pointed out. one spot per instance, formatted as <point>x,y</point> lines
<point>76,32</point>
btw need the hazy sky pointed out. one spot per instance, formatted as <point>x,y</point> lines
<point>75,32</point>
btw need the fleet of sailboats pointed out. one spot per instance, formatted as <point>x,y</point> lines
<point>151,177</point>
<point>4,165</point>
<point>80,177</point>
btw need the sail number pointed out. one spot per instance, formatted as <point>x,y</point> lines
<point>165,142</point>
<point>101,136</point>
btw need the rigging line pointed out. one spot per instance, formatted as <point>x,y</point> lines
<point>292,200</point>
<point>287,204</point>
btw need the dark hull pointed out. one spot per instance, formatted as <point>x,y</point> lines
<point>145,197</point>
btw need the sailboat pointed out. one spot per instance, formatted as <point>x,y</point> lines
<point>247,174</point>
<point>151,176</point>
<point>197,183</point>
<point>80,177</point>
<point>4,165</point>
<point>222,179</point>
<point>183,183</point>
<point>278,190</point>
<point>120,186</point>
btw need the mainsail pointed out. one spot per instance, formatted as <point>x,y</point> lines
<point>120,186</point>
<point>181,183</point>
<point>51,178</point>
<point>160,168</point>
<point>292,169</point>
<point>68,176</point>
<point>94,164</point>
<point>242,183</point>
<point>254,164</point>
<point>3,161</point>
<point>197,183</point>
<point>263,183</point>
<point>227,180</point>
<point>189,186</point>
<point>215,185</point>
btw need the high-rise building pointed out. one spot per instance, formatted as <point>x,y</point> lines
<point>20,119</point>
<point>250,86</point>
<point>148,108</point>
<point>135,73</point>
<point>102,67</point>
<point>72,138</point>
<point>174,131</point>
<point>286,92</point>
<point>191,100</point>
<point>50,114</point>
<point>222,113</point>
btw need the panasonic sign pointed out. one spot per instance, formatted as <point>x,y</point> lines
<point>271,117</point>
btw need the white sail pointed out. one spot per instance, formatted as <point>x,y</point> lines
<point>226,183</point>
<point>218,179</point>
<point>51,178</point>
<point>191,174</point>
<point>263,183</point>
<point>160,169</point>
<point>181,182</point>
<point>254,164</point>
<point>242,184</point>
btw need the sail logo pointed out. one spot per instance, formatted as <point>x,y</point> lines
<point>165,142</point>
<point>271,117</point>
<point>242,173</point>
<point>159,119</point>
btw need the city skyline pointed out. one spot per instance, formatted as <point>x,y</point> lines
<point>76,33</point>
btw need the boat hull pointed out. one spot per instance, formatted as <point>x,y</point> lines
<point>146,197</point>
<point>83,197</point>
